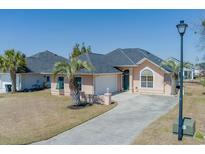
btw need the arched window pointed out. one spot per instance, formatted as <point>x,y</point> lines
<point>146,79</point>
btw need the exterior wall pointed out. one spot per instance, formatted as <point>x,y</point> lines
<point>87,85</point>
<point>119,82</point>
<point>161,80</point>
<point>160,86</point>
<point>167,85</point>
<point>5,79</point>
<point>158,80</point>
<point>28,81</point>
<point>66,90</point>
<point>23,81</point>
<point>55,91</point>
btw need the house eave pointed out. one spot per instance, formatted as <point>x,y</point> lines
<point>99,73</point>
<point>126,65</point>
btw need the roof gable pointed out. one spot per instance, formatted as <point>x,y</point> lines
<point>43,62</point>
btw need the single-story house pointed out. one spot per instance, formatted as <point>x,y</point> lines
<point>37,75</point>
<point>188,73</point>
<point>199,69</point>
<point>132,69</point>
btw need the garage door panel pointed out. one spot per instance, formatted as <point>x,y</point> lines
<point>104,82</point>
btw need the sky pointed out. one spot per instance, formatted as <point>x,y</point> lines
<point>32,31</point>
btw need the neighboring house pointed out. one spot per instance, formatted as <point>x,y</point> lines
<point>197,70</point>
<point>188,73</point>
<point>200,69</point>
<point>37,75</point>
<point>132,69</point>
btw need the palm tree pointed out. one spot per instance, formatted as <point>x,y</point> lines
<point>70,70</point>
<point>12,61</point>
<point>175,69</point>
<point>79,50</point>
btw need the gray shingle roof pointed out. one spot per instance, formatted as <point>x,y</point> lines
<point>173,59</point>
<point>43,62</point>
<point>99,62</point>
<point>119,57</point>
<point>130,56</point>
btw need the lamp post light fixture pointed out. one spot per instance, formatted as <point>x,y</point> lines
<point>181,29</point>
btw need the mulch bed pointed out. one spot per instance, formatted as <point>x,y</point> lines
<point>81,106</point>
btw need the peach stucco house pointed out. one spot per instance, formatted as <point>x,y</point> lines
<point>132,69</point>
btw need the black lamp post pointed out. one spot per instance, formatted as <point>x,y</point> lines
<point>181,29</point>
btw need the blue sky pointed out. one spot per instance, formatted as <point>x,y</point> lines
<point>32,31</point>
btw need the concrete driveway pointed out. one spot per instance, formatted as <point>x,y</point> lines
<point>119,125</point>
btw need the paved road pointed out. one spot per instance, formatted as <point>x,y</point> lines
<point>119,125</point>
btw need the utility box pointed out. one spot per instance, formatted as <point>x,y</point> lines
<point>188,126</point>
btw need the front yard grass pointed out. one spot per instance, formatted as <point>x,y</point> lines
<point>36,116</point>
<point>160,131</point>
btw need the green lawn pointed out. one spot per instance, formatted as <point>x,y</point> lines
<point>35,116</point>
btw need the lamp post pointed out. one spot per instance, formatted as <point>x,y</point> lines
<point>181,29</point>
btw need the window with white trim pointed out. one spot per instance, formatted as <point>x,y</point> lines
<point>146,79</point>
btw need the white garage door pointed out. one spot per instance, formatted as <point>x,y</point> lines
<point>104,82</point>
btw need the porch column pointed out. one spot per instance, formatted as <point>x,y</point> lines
<point>131,79</point>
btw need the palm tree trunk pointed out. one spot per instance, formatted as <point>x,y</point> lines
<point>13,81</point>
<point>173,86</point>
<point>75,94</point>
<point>76,98</point>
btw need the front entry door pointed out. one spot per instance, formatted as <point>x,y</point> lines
<point>126,80</point>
